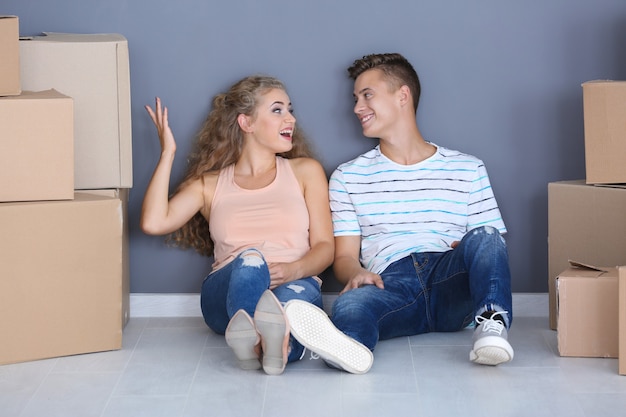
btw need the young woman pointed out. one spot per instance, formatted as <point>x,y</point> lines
<point>255,200</point>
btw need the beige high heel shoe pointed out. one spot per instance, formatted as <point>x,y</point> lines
<point>243,338</point>
<point>272,324</point>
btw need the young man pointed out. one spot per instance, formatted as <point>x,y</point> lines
<point>417,230</point>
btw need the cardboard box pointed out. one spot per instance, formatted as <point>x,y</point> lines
<point>587,223</point>
<point>94,71</point>
<point>60,277</point>
<point>604,104</point>
<point>622,320</point>
<point>123,194</point>
<point>587,306</point>
<point>10,53</point>
<point>36,147</point>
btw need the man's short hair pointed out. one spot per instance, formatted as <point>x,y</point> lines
<point>397,70</point>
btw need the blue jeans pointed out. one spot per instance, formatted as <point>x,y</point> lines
<point>431,292</point>
<point>240,284</point>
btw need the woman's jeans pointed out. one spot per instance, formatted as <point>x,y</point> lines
<point>431,292</point>
<point>239,285</point>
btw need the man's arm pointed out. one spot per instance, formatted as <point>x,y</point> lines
<point>347,267</point>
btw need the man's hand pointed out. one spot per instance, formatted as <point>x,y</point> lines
<point>364,278</point>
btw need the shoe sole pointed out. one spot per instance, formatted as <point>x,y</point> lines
<point>313,329</point>
<point>242,337</point>
<point>491,351</point>
<point>272,324</point>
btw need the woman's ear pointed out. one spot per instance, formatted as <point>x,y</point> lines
<point>245,123</point>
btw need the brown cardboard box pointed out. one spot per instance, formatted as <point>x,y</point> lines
<point>94,71</point>
<point>36,147</point>
<point>585,222</point>
<point>60,277</point>
<point>10,56</point>
<point>622,320</point>
<point>123,195</point>
<point>587,306</point>
<point>604,104</point>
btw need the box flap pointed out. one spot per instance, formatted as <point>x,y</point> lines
<point>601,81</point>
<point>37,95</point>
<point>576,264</point>
<point>76,37</point>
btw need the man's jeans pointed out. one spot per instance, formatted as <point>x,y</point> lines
<point>431,292</point>
<point>240,284</point>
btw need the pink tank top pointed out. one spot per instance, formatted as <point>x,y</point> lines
<point>273,219</point>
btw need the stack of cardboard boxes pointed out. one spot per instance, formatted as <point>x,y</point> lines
<point>587,235</point>
<point>66,172</point>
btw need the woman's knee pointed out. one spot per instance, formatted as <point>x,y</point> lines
<point>252,257</point>
<point>251,261</point>
<point>306,289</point>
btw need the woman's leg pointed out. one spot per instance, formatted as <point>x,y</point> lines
<point>235,286</point>
<point>306,289</point>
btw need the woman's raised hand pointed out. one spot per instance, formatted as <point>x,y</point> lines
<point>159,118</point>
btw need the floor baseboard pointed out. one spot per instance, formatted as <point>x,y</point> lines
<point>188,305</point>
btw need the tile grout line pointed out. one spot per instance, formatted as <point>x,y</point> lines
<point>123,372</point>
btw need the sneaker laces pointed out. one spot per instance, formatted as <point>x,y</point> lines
<point>491,325</point>
<point>312,355</point>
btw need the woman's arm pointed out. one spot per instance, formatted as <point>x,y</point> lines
<point>315,188</point>
<point>159,214</point>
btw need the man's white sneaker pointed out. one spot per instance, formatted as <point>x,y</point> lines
<point>491,346</point>
<point>311,327</point>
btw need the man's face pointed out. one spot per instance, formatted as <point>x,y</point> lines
<point>375,103</point>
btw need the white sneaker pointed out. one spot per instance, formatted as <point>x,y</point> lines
<point>311,327</point>
<point>491,346</point>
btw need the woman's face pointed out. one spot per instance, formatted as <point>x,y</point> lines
<point>273,124</point>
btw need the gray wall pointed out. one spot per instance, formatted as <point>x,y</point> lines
<point>501,80</point>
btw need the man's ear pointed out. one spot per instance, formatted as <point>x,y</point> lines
<point>245,123</point>
<point>405,95</point>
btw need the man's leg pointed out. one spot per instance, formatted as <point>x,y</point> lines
<point>474,280</point>
<point>362,316</point>
<point>369,314</point>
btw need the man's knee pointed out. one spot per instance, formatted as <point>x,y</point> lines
<point>487,233</point>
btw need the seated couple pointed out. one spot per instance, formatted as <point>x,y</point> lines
<point>413,231</point>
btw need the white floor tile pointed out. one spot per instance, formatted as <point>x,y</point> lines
<point>176,367</point>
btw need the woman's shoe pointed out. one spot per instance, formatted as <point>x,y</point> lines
<point>243,338</point>
<point>272,324</point>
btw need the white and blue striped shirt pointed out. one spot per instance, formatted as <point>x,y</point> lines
<point>401,209</point>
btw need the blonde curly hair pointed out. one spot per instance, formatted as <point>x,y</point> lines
<point>219,144</point>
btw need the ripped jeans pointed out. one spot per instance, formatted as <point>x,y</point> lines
<point>239,285</point>
<point>431,292</point>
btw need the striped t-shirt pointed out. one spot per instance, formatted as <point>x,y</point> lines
<point>401,209</point>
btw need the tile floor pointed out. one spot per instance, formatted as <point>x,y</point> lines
<point>175,366</point>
